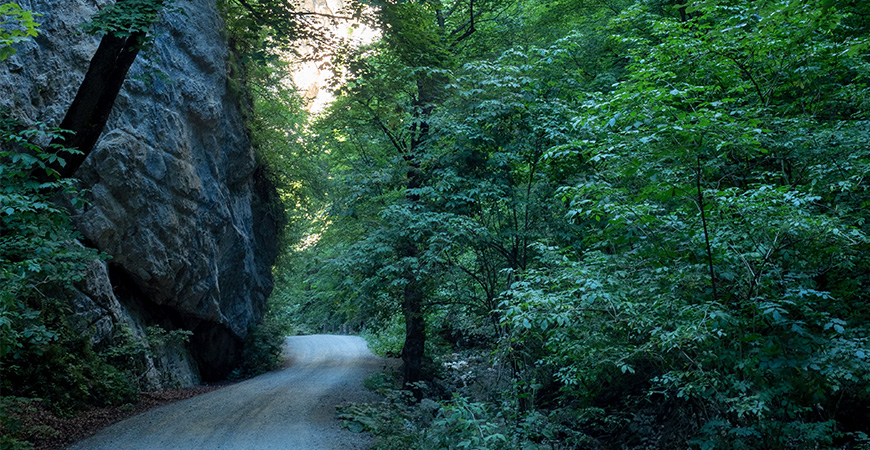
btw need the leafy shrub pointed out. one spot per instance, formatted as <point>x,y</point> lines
<point>38,252</point>
<point>713,295</point>
<point>462,423</point>
<point>399,421</point>
<point>392,419</point>
<point>17,25</point>
<point>263,350</point>
<point>12,431</point>
<point>388,339</point>
<point>41,355</point>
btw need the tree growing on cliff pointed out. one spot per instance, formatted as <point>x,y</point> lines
<point>124,26</point>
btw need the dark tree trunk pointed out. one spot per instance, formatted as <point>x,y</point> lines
<point>413,296</point>
<point>415,334</point>
<point>89,112</point>
<point>429,87</point>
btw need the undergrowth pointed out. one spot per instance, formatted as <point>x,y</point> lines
<point>459,420</point>
<point>262,351</point>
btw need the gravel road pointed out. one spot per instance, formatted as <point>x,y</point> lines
<point>292,408</point>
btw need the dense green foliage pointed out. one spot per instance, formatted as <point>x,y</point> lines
<point>16,25</point>
<point>653,214</point>
<point>126,17</point>
<point>263,350</point>
<point>724,233</point>
<point>42,354</point>
<point>37,259</point>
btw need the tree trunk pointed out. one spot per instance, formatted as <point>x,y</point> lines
<point>89,112</point>
<point>429,87</point>
<point>413,296</point>
<point>413,353</point>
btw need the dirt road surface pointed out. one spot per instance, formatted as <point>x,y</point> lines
<point>289,409</point>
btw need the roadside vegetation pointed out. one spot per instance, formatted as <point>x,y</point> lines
<point>621,224</point>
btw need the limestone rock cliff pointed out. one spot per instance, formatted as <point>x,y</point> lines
<point>173,192</point>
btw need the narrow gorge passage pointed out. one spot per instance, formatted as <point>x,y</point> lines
<point>292,408</point>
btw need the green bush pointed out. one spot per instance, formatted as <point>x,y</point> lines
<point>12,431</point>
<point>388,339</point>
<point>40,355</point>
<point>465,424</point>
<point>392,419</point>
<point>68,375</point>
<point>263,350</point>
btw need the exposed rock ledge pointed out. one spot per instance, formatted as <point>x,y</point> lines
<point>173,196</point>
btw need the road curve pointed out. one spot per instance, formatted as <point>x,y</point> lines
<point>292,408</point>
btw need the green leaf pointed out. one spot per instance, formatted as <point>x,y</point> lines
<point>355,426</point>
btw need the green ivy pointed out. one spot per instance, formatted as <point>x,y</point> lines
<point>126,17</point>
<point>16,25</point>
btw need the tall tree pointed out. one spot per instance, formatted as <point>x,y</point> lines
<point>421,39</point>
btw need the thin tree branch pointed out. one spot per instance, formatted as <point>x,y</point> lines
<point>706,232</point>
<point>471,29</point>
<point>384,128</point>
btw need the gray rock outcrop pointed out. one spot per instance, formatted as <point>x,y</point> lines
<point>174,194</point>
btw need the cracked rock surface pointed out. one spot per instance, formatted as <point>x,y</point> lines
<point>174,195</point>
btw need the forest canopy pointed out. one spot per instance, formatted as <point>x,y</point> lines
<point>649,218</point>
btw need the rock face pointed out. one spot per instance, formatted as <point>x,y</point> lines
<point>174,196</point>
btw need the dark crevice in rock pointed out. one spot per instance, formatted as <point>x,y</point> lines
<point>215,348</point>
